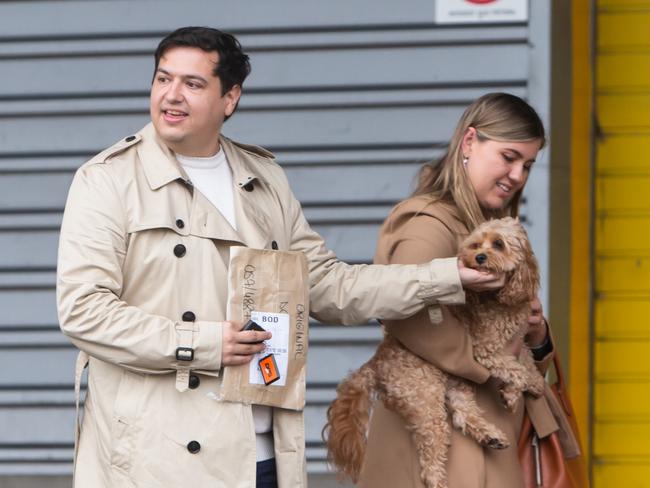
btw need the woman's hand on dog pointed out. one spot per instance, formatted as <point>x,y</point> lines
<point>480,280</point>
<point>537,329</point>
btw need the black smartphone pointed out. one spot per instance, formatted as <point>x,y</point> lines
<point>252,325</point>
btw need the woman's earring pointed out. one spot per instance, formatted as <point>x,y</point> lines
<point>465,160</point>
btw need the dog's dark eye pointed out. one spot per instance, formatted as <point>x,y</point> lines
<point>474,245</point>
<point>498,244</point>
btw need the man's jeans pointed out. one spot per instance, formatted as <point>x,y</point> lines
<point>266,474</point>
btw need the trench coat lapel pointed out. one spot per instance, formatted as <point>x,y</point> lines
<point>253,223</point>
<point>161,168</point>
<point>209,223</point>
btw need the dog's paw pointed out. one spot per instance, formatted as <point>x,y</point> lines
<point>510,399</point>
<point>496,443</point>
<point>492,437</point>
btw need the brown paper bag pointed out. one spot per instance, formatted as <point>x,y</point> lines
<point>272,288</point>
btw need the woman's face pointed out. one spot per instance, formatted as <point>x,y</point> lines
<point>497,170</point>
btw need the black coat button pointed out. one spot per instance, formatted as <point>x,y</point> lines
<point>179,250</point>
<point>248,187</point>
<point>188,316</point>
<point>179,223</point>
<point>130,138</point>
<point>193,447</point>
<point>194,383</point>
<point>274,245</point>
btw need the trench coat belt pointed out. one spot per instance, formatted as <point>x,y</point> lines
<point>82,362</point>
<point>547,416</point>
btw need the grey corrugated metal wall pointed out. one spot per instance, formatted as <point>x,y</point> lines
<point>351,96</point>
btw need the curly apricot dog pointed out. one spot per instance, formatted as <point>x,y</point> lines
<point>424,395</point>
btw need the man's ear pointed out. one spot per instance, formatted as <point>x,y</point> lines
<point>468,140</point>
<point>232,99</point>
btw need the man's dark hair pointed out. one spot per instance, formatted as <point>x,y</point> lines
<point>233,66</point>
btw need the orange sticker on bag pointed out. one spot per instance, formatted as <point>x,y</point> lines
<point>269,369</point>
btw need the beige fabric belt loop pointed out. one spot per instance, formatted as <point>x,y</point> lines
<point>182,379</point>
<point>185,332</point>
<point>80,365</point>
<point>435,314</point>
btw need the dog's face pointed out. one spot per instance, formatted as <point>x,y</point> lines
<point>502,246</point>
<point>496,245</point>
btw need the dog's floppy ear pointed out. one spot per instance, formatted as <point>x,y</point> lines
<point>522,284</point>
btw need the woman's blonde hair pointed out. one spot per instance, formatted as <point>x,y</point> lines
<point>496,116</point>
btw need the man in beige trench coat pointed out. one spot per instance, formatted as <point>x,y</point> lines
<point>142,285</point>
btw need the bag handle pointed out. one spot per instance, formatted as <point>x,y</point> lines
<point>560,385</point>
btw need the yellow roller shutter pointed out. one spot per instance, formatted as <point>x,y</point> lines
<point>621,351</point>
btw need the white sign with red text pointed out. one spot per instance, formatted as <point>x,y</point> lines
<point>480,11</point>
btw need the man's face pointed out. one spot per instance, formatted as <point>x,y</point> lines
<point>187,108</point>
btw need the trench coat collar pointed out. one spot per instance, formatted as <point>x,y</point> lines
<point>253,224</point>
<point>161,166</point>
<point>244,161</point>
<point>159,163</point>
<point>446,212</point>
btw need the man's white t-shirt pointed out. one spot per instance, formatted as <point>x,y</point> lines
<point>213,178</point>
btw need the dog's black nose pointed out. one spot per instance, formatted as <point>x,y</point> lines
<point>481,258</point>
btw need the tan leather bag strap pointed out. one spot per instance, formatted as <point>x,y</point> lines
<point>568,427</point>
<point>560,386</point>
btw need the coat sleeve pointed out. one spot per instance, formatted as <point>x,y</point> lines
<point>92,250</point>
<point>446,343</point>
<point>354,294</point>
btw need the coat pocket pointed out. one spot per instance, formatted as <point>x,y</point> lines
<point>124,421</point>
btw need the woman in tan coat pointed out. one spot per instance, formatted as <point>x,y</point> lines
<point>482,175</point>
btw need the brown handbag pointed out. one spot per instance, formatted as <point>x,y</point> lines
<point>542,460</point>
